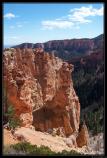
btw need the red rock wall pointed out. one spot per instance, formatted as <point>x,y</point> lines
<point>39,86</point>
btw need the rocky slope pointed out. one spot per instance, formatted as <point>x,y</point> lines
<point>55,143</point>
<point>40,88</point>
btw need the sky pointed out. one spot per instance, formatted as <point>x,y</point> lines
<point>41,22</point>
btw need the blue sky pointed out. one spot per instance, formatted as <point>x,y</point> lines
<point>41,22</point>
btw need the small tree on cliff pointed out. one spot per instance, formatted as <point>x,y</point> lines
<point>12,120</point>
<point>9,112</point>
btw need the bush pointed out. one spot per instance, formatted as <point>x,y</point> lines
<point>9,112</point>
<point>12,120</point>
<point>26,148</point>
<point>14,123</point>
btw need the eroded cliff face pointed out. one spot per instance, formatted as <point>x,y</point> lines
<point>40,87</point>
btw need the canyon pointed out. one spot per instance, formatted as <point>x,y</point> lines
<point>38,84</point>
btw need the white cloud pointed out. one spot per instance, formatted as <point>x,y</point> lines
<point>22,22</point>
<point>56,24</point>
<point>12,27</point>
<point>80,14</point>
<point>9,16</point>
<point>25,22</point>
<point>19,25</point>
<point>75,17</point>
<point>12,37</point>
<point>100,11</point>
<point>12,40</point>
<point>77,27</point>
<point>16,26</point>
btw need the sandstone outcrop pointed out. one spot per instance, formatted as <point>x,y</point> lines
<point>40,88</point>
<point>83,137</point>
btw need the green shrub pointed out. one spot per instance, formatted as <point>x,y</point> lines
<point>12,120</point>
<point>26,148</point>
<point>14,123</point>
<point>9,112</point>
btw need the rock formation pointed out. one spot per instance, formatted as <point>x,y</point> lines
<point>40,88</point>
<point>83,137</point>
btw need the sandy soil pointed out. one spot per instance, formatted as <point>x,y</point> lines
<point>8,138</point>
<point>38,138</point>
<point>55,143</point>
